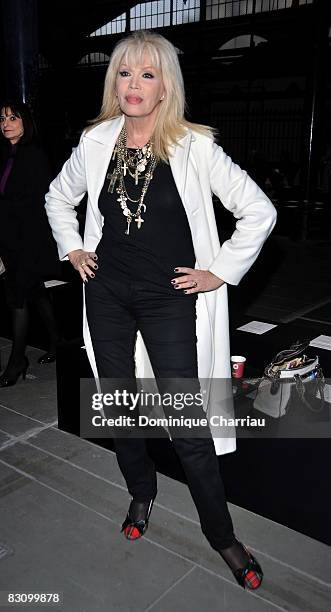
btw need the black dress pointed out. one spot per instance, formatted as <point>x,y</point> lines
<point>27,247</point>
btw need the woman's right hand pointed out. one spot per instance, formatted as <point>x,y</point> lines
<point>83,261</point>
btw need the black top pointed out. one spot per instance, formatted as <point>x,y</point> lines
<point>26,243</point>
<point>163,242</point>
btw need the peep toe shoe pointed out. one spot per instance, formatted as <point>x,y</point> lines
<point>251,575</point>
<point>136,521</point>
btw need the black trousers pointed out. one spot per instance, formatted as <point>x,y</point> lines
<point>116,309</point>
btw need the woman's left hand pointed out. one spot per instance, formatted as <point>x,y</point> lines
<point>194,281</point>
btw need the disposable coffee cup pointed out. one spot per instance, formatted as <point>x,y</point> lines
<point>238,365</point>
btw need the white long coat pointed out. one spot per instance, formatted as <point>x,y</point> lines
<point>200,168</point>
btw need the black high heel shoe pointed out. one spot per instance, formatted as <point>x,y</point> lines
<point>10,381</point>
<point>136,521</point>
<point>251,575</point>
<point>48,357</point>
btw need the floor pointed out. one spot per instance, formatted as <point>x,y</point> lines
<point>63,499</point>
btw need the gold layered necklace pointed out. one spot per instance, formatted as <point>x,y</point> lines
<point>140,165</point>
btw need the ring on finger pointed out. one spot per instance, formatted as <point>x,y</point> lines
<point>83,264</point>
<point>195,284</point>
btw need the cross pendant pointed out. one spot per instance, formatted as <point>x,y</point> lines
<point>112,181</point>
<point>139,221</point>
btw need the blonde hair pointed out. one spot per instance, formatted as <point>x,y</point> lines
<point>170,124</point>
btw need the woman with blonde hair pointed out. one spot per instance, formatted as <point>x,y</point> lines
<point>156,302</point>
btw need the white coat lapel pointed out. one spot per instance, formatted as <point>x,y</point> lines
<point>178,162</point>
<point>185,175</point>
<point>100,143</point>
<point>187,181</point>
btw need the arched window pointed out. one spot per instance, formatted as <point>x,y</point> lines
<point>242,42</point>
<point>94,59</point>
<point>231,50</point>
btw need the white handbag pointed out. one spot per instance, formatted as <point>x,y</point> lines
<point>290,373</point>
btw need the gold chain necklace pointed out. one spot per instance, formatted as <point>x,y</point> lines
<point>135,163</point>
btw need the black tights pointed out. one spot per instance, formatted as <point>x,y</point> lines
<point>20,322</point>
<point>20,319</point>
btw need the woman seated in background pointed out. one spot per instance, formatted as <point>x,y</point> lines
<point>27,248</point>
